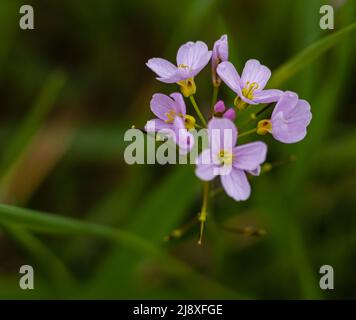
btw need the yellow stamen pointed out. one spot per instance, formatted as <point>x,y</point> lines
<point>187,87</point>
<point>189,122</point>
<point>249,89</point>
<point>264,127</point>
<point>183,66</point>
<point>170,115</point>
<point>226,157</point>
<point>240,104</point>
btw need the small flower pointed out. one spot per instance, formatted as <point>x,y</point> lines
<point>172,120</point>
<point>219,111</point>
<point>220,54</point>
<point>192,57</point>
<point>249,88</point>
<point>289,119</point>
<point>230,162</point>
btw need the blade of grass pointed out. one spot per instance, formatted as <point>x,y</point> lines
<point>14,151</point>
<point>49,264</point>
<point>52,224</point>
<point>308,55</point>
<point>38,112</point>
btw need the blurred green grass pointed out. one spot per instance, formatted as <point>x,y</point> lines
<point>63,153</point>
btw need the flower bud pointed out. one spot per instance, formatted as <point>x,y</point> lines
<point>230,114</point>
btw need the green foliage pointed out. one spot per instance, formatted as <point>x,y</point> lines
<point>105,238</point>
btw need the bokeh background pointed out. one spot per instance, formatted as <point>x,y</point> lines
<point>68,91</point>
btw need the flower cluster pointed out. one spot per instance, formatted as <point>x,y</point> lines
<point>288,122</point>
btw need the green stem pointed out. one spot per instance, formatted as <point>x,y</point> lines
<point>215,96</point>
<point>204,210</point>
<point>265,108</point>
<point>197,110</point>
<point>246,133</point>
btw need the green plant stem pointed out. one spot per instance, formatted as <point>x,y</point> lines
<point>204,210</point>
<point>197,110</point>
<point>246,133</point>
<point>265,108</point>
<point>215,97</point>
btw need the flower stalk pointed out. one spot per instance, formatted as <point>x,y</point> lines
<point>204,210</point>
<point>197,110</point>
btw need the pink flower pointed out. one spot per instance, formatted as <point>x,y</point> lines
<point>220,54</point>
<point>289,119</point>
<point>230,162</point>
<point>220,110</point>
<point>172,120</point>
<point>249,88</point>
<point>192,57</point>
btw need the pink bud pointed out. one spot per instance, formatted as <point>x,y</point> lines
<point>219,107</point>
<point>230,114</point>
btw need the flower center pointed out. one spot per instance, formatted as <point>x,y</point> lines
<point>187,87</point>
<point>225,157</point>
<point>189,122</point>
<point>170,116</point>
<point>249,89</point>
<point>183,66</point>
<point>264,127</point>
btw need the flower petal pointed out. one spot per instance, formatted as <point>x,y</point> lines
<point>229,75</point>
<point>222,134</point>
<point>179,103</point>
<point>189,54</point>
<point>236,185</point>
<point>254,71</point>
<point>292,127</point>
<point>155,125</point>
<point>249,156</point>
<point>267,96</point>
<point>204,166</point>
<point>223,48</point>
<point>182,137</point>
<point>166,71</point>
<point>255,172</point>
<point>220,51</point>
<point>290,118</point>
<point>286,103</point>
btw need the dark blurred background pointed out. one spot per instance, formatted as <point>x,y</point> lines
<point>70,88</point>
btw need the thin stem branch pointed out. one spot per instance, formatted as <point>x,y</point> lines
<point>197,110</point>
<point>246,133</point>
<point>204,210</point>
<point>265,108</point>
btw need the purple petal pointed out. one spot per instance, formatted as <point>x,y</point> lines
<point>291,126</point>
<point>161,105</point>
<point>255,72</point>
<point>182,137</point>
<point>286,103</point>
<point>267,96</point>
<point>222,134</point>
<point>223,48</point>
<point>191,53</point>
<point>155,125</point>
<point>179,102</point>
<point>229,75</point>
<point>255,172</point>
<point>166,71</point>
<point>220,51</point>
<point>249,156</point>
<point>204,166</point>
<point>236,185</point>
